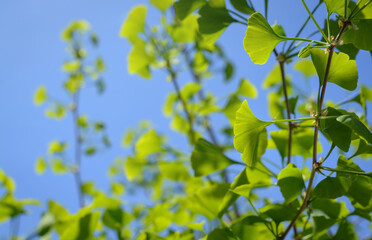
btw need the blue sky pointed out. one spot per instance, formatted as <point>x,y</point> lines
<point>31,54</point>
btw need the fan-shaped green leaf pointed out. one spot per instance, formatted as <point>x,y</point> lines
<point>207,158</point>
<point>357,126</point>
<point>343,71</point>
<point>162,4</point>
<point>248,131</point>
<point>332,187</point>
<point>260,39</point>
<point>290,182</point>
<point>184,8</point>
<point>247,89</point>
<point>361,36</point>
<point>40,95</point>
<point>242,6</point>
<point>134,24</point>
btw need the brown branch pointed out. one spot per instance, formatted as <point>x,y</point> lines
<point>77,175</point>
<point>316,133</point>
<point>183,101</point>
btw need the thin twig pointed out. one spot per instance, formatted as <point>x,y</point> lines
<point>316,132</point>
<point>77,175</point>
<point>183,101</point>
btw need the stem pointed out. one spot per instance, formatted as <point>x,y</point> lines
<point>329,152</point>
<point>290,126</point>
<point>77,175</point>
<point>183,101</point>
<point>312,17</point>
<point>302,119</point>
<point>345,13</point>
<point>305,23</point>
<point>359,10</point>
<point>266,7</point>
<point>345,171</point>
<point>315,164</point>
<point>201,96</point>
<point>257,213</point>
<point>303,40</point>
<point>238,15</point>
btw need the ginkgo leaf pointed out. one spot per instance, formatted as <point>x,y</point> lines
<point>139,60</point>
<point>206,158</point>
<point>149,143</point>
<point>335,6</point>
<point>134,24</point>
<point>342,72</point>
<point>306,67</point>
<point>242,6</point>
<point>361,36</point>
<point>184,8</point>
<point>290,182</point>
<point>260,39</point>
<point>357,126</point>
<point>247,130</point>
<point>247,89</point>
<point>40,95</point>
<point>162,4</point>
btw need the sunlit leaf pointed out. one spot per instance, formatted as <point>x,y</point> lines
<point>242,6</point>
<point>207,158</point>
<point>79,26</point>
<point>247,89</point>
<point>162,4</point>
<point>134,24</point>
<point>148,143</point>
<point>40,165</point>
<point>290,182</point>
<point>342,72</point>
<point>230,196</point>
<point>278,212</point>
<point>248,130</point>
<point>357,126</point>
<point>206,201</point>
<point>306,67</point>
<point>335,6</point>
<point>184,8</point>
<point>174,171</point>
<point>139,60</point>
<point>260,39</point>
<point>221,234</point>
<point>40,95</point>
<point>56,147</point>
<point>332,187</point>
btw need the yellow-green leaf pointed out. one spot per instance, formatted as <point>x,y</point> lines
<point>260,39</point>
<point>343,71</point>
<point>248,130</point>
<point>40,95</point>
<point>247,89</point>
<point>134,24</point>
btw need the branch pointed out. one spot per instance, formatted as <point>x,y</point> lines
<point>77,175</point>
<point>183,101</point>
<point>316,132</point>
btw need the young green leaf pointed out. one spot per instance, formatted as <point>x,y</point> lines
<point>343,71</point>
<point>335,6</point>
<point>163,5</point>
<point>242,6</point>
<point>336,131</point>
<point>360,37</point>
<point>221,234</point>
<point>40,95</point>
<point>279,212</point>
<point>260,39</point>
<point>247,89</point>
<point>306,67</point>
<point>332,187</point>
<point>290,182</point>
<point>134,24</point>
<point>250,134</point>
<point>206,158</point>
<point>230,196</point>
<point>184,8</point>
<point>357,126</point>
